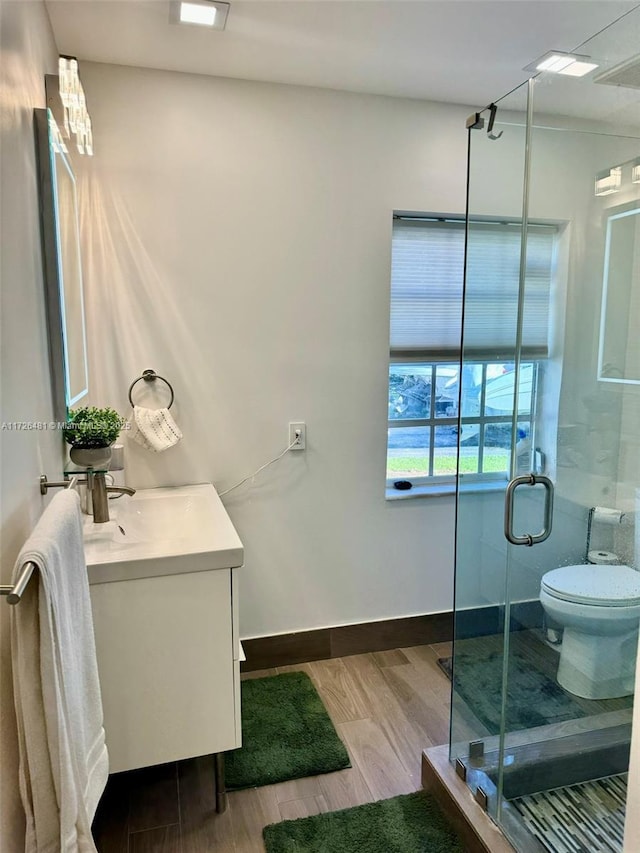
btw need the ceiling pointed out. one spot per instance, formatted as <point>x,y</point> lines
<point>458,51</point>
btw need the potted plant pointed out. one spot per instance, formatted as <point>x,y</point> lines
<point>91,432</point>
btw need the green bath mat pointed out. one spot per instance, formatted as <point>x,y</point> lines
<point>286,734</point>
<point>412,823</point>
<point>533,699</point>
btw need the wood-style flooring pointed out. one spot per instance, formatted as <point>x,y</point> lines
<point>387,707</point>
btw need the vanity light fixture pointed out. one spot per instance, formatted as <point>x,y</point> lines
<point>200,13</point>
<point>635,172</point>
<point>561,62</point>
<point>76,117</point>
<point>609,181</point>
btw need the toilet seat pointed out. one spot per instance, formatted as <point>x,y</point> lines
<point>605,586</point>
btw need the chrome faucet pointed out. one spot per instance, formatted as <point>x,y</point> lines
<point>99,491</point>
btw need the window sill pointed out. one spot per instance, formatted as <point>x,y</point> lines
<point>433,490</point>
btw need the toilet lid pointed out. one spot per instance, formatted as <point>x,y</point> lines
<point>615,586</point>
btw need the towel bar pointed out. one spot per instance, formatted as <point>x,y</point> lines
<point>14,593</point>
<point>45,485</point>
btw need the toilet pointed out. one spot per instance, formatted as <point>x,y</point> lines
<point>599,609</point>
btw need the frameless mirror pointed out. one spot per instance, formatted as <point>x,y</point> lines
<point>62,267</point>
<point>619,351</point>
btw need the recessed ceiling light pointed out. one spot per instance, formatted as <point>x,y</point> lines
<point>555,62</point>
<point>561,62</point>
<point>197,13</point>
<point>578,68</point>
<point>200,13</point>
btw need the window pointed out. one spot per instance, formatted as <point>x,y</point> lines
<point>423,418</point>
<point>424,373</point>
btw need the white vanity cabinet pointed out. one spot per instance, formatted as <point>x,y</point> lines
<point>167,645</point>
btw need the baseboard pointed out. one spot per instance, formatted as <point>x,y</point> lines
<point>364,637</point>
<point>481,621</point>
<point>344,640</point>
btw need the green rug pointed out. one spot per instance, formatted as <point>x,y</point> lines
<point>286,734</point>
<point>412,823</point>
<point>533,699</point>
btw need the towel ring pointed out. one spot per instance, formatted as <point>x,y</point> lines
<point>151,376</point>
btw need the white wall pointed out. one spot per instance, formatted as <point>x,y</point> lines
<point>238,239</point>
<point>27,53</point>
<point>238,242</point>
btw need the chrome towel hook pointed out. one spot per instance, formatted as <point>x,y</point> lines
<point>151,376</point>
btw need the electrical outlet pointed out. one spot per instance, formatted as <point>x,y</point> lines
<point>298,430</point>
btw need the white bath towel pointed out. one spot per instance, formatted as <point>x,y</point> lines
<point>63,757</point>
<point>154,429</point>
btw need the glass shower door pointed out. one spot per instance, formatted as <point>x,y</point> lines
<point>548,389</point>
<point>563,752</point>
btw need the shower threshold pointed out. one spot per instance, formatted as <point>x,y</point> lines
<point>546,768</point>
<point>564,761</point>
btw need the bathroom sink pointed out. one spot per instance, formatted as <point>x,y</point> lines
<point>158,532</point>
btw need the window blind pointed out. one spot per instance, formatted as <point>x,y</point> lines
<point>427,270</point>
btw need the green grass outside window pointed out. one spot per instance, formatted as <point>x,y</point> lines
<point>418,466</point>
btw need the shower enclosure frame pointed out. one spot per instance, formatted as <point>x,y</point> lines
<point>489,762</point>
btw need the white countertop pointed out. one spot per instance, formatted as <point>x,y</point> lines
<point>167,531</point>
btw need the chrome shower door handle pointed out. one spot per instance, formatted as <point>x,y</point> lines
<point>528,538</point>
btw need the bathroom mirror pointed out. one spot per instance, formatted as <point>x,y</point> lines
<point>619,350</point>
<point>62,267</point>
